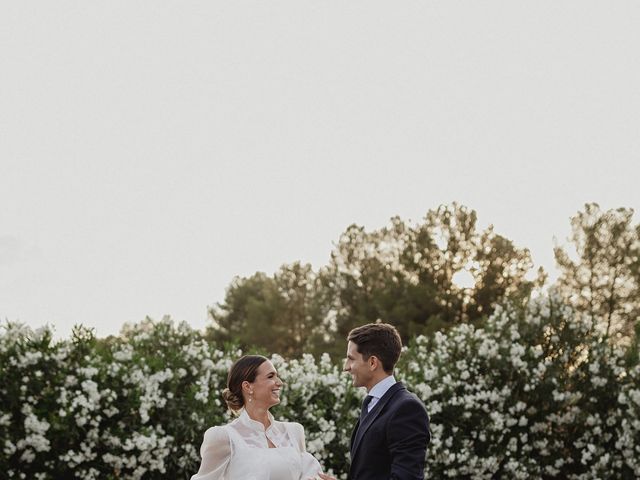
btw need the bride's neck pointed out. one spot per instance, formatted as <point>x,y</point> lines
<point>259,414</point>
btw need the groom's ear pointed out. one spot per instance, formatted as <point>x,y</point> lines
<point>373,362</point>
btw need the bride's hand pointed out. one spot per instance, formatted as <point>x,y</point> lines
<point>326,477</point>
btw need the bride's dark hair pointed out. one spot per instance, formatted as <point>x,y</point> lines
<point>243,369</point>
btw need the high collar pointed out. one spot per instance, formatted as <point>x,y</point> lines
<point>254,425</point>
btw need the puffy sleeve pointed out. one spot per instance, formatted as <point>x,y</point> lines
<point>297,432</point>
<point>310,466</point>
<point>216,453</point>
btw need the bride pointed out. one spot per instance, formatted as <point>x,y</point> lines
<point>255,446</point>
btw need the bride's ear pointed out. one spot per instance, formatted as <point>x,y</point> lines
<point>246,387</point>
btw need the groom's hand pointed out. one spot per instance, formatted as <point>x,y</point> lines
<point>326,477</point>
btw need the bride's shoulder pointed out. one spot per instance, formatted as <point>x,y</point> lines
<point>296,434</point>
<point>216,445</point>
<point>295,427</point>
<point>217,434</point>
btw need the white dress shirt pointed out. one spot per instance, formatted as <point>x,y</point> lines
<point>379,389</point>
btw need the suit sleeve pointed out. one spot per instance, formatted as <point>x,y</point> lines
<point>407,437</point>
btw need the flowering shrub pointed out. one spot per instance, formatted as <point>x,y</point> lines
<point>131,407</point>
<point>531,394</point>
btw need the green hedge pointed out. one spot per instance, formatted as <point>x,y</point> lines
<point>535,393</point>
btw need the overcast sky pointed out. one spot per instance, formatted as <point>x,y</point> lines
<point>151,151</point>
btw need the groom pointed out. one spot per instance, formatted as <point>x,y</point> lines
<point>390,438</point>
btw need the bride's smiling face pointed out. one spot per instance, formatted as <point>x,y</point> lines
<point>266,387</point>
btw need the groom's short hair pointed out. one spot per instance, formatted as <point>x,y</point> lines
<point>381,340</point>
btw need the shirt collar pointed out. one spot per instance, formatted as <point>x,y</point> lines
<point>246,420</point>
<point>380,388</point>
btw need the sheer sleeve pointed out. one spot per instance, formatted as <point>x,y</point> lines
<point>297,432</point>
<point>310,465</point>
<point>216,453</point>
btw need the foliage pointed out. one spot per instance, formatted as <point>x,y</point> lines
<point>281,313</point>
<point>602,278</point>
<point>404,274</point>
<point>534,393</point>
<point>115,408</point>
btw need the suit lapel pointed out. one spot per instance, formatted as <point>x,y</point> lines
<point>362,427</point>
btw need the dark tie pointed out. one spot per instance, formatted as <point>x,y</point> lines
<point>365,405</point>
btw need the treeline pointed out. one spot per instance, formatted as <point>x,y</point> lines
<point>408,274</point>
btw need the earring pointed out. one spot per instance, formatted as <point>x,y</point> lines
<point>251,396</point>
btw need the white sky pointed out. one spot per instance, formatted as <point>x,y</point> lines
<point>150,151</point>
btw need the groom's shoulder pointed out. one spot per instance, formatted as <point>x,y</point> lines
<point>406,397</point>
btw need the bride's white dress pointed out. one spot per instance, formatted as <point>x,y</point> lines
<point>240,451</point>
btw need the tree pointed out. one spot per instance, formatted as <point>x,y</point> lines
<point>602,275</point>
<point>279,314</point>
<point>404,274</point>
<point>407,275</point>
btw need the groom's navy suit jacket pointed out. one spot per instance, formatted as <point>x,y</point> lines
<point>391,441</point>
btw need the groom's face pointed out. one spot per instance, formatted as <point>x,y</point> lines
<point>357,366</point>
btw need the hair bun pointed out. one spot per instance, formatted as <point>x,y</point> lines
<point>233,401</point>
